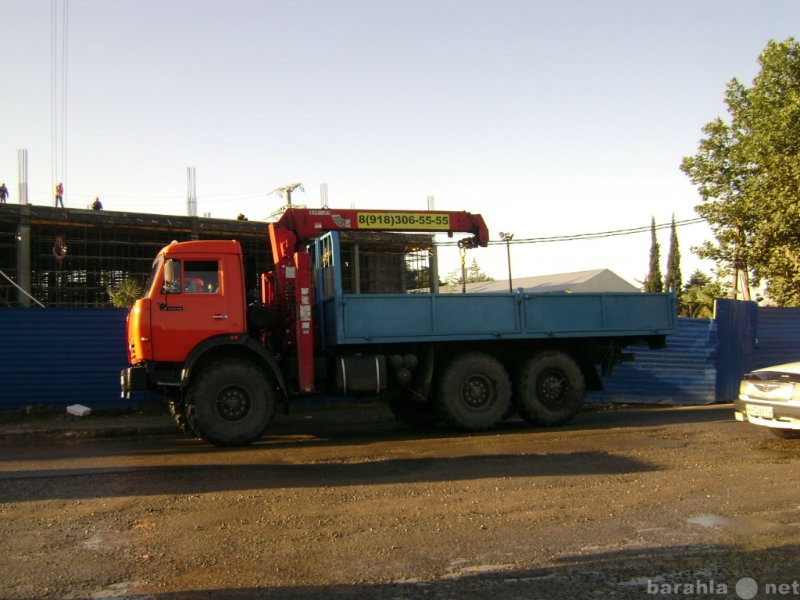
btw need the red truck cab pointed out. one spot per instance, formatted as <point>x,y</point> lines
<point>188,338</point>
<point>195,292</point>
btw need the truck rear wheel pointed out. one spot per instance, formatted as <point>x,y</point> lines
<point>474,392</point>
<point>549,389</point>
<point>231,403</point>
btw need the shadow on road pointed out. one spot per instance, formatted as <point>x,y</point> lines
<point>79,483</point>
<point>334,428</point>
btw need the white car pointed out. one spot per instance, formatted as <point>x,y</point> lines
<point>771,397</point>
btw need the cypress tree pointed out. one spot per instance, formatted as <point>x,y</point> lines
<point>653,282</point>
<point>673,279</point>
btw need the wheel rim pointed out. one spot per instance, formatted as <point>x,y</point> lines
<point>551,386</point>
<point>233,403</point>
<point>477,392</point>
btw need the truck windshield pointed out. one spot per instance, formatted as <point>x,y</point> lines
<point>151,279</point>
<point>167,272</point>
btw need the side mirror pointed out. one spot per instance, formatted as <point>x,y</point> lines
<point>172,284</point>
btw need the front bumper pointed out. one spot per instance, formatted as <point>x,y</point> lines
<point>133,379</point>
<point>767,414</point>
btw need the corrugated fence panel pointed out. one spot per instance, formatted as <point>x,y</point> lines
<point>682,373</point>
<point>62,356</point>
<point>778,336</point>
<point>736,326</point>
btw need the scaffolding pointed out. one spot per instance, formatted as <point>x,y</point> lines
<point>73,257</point>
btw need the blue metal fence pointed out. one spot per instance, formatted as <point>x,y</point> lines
<point>63,356</point>
<point>777,337</point>
<point>682,373</point>
<point>736,322</point>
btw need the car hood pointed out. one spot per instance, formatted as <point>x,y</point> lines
<point>793,367</point>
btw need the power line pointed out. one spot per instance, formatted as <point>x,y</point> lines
<point>585,236</point>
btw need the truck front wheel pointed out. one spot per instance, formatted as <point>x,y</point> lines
<point>549,389</point>
<point>230,403</point>
<point>474,392</point>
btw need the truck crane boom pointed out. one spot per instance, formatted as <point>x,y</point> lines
<point>298,226</point>
<point>288,291</point>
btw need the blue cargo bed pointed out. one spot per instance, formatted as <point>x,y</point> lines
<point>382,318</point>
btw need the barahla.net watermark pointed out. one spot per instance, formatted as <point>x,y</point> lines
<point>746,588</point>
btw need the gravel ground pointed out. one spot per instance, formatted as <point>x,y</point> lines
<point>679,503</point>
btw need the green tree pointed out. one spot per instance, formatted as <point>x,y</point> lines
<point>653,281</point>
<point>419,279</point>
<point>125,293</point>
<point>699,295</point>
<point>747,172</point>
<point>672,281</point>
<point>474,275</point>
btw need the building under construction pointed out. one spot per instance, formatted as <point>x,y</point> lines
<point>73,257</point>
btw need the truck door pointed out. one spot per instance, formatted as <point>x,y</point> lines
<point>192,305</point>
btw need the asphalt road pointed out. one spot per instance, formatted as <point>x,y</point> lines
<point>672,503</point>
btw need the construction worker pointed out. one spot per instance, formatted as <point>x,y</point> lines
<point>97,205</point>
<point>3,193</point>
<point>60,194</point>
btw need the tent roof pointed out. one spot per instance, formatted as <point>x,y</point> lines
<point>596,280</point>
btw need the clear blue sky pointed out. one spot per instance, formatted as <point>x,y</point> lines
<point>548,117</point>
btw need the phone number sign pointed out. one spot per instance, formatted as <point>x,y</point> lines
<point>403,220</point>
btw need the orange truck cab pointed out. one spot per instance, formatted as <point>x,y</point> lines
<point>192,315</point>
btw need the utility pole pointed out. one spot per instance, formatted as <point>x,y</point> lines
<point>507,237</point>
<point>287,191</point>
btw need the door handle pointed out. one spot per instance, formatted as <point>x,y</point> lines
<point>220,317</point>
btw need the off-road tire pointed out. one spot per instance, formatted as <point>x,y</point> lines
<point>549,389</point>
<point>474,392</point>
<point>231,403</point>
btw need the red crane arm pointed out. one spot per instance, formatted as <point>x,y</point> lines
<point>297,226</point>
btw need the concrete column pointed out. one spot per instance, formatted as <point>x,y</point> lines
<point>23,232</point>
<point>24,255</point>
<point>433,268</point>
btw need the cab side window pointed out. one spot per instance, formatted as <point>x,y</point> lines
<point>201,277</point>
